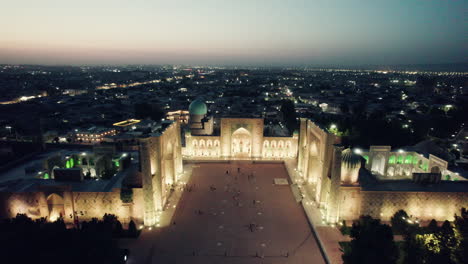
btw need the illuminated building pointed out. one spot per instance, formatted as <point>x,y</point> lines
<point>392,180</point>
<point>94,135</point>
<point>343,183</point>
<point>128,122</point>
<point>181,116</point>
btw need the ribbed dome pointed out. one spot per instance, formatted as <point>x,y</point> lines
<point>350,159</point>
<point>198,107</point>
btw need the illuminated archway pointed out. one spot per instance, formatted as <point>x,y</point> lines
<point>241,144</point>
<point>435,169</point>
<point>378,164</point>
<point>56,206</point>
<point>313,165</point>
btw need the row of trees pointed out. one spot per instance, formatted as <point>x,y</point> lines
<point>373,242</point>
<point>25,240</point>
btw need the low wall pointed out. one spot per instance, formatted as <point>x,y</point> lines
<point>425,206</point>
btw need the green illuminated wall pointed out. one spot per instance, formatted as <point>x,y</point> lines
<point>392,159</point>
<point>408,159</point>
<point>425,166</point>
<point>400,160</point>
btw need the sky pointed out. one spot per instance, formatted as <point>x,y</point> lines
<point>233,32</point>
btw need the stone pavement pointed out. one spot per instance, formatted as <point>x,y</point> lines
<point>230,218</point>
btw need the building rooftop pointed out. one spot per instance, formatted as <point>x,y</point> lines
<point>19,179</point>
<point>370,182</point>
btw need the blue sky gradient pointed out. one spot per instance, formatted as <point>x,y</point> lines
<point>248,32</point>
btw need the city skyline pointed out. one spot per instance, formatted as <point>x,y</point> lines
<point>274,33</point>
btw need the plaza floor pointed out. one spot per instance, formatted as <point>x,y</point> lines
<point>232,218</point>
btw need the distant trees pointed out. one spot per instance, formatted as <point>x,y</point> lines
<point>372,242</point>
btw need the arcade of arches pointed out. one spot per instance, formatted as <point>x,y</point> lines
<point>327,174</point>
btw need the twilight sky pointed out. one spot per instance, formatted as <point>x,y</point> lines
<point>247,32</point>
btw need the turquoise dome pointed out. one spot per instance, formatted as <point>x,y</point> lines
<point>198,107</point>
<point>350,159</point>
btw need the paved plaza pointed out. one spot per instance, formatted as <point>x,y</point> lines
<point>232,213</point>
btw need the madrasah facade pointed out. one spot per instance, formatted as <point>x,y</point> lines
<point>343,183</point>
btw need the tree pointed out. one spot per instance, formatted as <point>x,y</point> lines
<point>132,230</point>
<point>448,241</point>
<point>22,234</point>
<point>399,222</point>
<point>412,247</point>
<point>461,227</point>
<point>433,227</point>
<point>372,242</point>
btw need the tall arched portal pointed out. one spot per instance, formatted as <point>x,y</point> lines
<point>378,164</point>
<point>56,206</point>
<point>241,142</point>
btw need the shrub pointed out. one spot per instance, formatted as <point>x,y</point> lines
<point>399,222</point>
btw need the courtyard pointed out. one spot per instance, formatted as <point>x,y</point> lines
<point>232,213</point>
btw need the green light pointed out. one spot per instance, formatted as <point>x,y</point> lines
<point>415,161</point>
<point>400,160</point>
<point>391,160</point>
<point>46,176</point>
<point>366,158</point>
<point>117,163</point>
<point>425,166</point>
<point>408,159</point>
<point>67,164</point>
<point>72,163</point>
